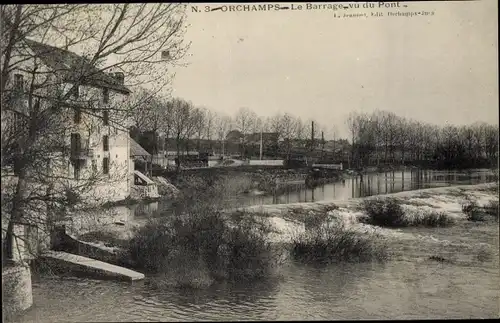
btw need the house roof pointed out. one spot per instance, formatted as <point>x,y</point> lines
<point>72,67</point>
<point>137,150</point>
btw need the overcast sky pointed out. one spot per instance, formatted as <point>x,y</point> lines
<point>441,68</point>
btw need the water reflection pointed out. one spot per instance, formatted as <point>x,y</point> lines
<point>372,184</point>
<point>354,187</point>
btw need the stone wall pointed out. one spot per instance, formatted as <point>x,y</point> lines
<point>16,289</point>
<point>80,222</point>
<point>143,192</point>
<point>67,243</point>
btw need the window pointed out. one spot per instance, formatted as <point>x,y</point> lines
<point>105,142</point>
<point>76,144</point>
<point>105,117</point>
<point>105,165</point>
<point>19,82</point>
<point>105,94</point>
<point>76,170</point>
<point>75,92</point>
<point>77,117</point>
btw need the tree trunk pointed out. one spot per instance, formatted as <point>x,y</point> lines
<point>178,147</point>
<point>17,213</point>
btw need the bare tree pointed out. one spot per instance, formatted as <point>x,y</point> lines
<point>222,126</point>
<point>137,40</point>
<point>244,122</point>
<point>184,120</point>
<point>199,124</point>
<point>210,117</point>
<point>289,127</point>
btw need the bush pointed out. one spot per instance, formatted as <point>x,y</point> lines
<point>389,213</point>
<point>436,219</point>
<point>385,212</point>
<point>472,211</point>
<point>219,247</point>
<point>339,244</point>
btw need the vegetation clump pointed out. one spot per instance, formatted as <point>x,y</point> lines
<point>476,213</point>
<point>384,212</point>
<point>389,213</point>
<point>333,244</point>
<point>436,219</point>
<point>199,244</point>
<point>472,211</point>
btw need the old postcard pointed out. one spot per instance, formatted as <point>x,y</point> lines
<point>249,161</point>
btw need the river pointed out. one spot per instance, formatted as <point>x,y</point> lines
<point>354,187</point>
<point>397,290</point>
<point>409,287</point>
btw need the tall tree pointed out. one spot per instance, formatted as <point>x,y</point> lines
<point>137,40</point>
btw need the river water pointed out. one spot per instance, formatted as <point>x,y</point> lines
<point>371,184</point>
<point>408,287</point>
<point>397,290</point>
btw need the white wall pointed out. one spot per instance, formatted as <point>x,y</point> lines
<point>278,162</point>
<point>116,185</point>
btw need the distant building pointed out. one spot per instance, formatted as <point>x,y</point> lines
<point>234,136</point>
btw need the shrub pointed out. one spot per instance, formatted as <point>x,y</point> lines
<point>389,213</point>
<point>339,244</point>
<point>384,212</point>
<point>476,213</point>
<point>219,247</point>
<point>472,211</point>
<point>436,219</point>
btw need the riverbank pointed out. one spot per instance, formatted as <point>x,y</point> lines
<point>243,179</point>
<point>291,219</point>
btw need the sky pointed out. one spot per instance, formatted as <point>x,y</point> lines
<point>438,69</point>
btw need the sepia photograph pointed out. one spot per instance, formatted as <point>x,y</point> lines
<point>250,161</point>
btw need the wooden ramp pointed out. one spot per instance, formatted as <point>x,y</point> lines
<point>70,263</point>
